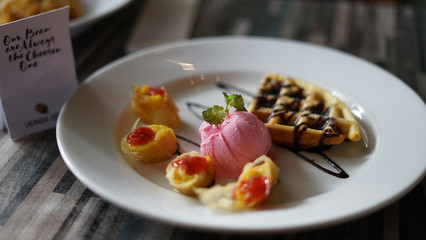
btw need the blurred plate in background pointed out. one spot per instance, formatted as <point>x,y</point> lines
<point>95,10</point>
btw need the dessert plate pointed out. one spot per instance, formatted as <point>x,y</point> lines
<point>95,10</point>
<point>385,165</point>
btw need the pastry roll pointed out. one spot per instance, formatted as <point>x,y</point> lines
<point>254,185</point>
<point>155,106</point>
<point>190,170</point>
<point>150,144</point>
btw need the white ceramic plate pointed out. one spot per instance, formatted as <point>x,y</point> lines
<point>98,115</point>
<point>95,10</point>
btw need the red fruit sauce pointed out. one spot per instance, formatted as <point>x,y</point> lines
<point>191,164</point>
<point>255,189</point>
<point>155,91</point>
<point>140,136</point>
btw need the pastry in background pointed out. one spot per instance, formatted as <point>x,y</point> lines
<point>190,170</point>
<point>12,10</point>
<point>155,106</point>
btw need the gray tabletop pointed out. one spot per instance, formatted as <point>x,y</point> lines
<point>40,198</point>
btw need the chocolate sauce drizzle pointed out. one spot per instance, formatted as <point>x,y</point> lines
<point>340,172</point>
<point>178,152</point>
<point>188,140</point>
<point>192,105</point>
<point>231,87</point>
<point>323,122</point>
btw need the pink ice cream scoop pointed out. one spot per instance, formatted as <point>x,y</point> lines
<point>239,139</point>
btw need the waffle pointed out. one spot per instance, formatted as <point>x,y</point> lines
<point>302,115</point>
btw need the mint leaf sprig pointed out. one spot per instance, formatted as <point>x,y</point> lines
<point>216,114</point>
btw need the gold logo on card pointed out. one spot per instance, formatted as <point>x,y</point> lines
<point>42,108</point>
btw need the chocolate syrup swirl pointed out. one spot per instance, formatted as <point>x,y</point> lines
<point>231,87</point>
<point>340,172</point>
<point>178,152</point>
<point>192,105</point>
<point>188,140</point>
<point>298,132</point>
<point>266,101</point>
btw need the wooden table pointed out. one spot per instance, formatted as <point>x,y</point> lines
<point>41,199</point>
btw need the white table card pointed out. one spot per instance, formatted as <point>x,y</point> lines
<point>37,71</point>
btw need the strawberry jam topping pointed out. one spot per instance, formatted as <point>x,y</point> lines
<point>140,136</point>
<point>191,164</point>
<point>155,91</point>
<point>255,189</point>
